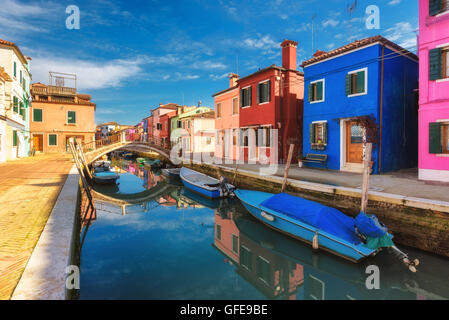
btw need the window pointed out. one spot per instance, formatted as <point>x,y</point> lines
<point>21,77</point>
<point>235,106</point>
<point>14,138</point>
<point>218,232</point>
<point>218,109</point>
<point>235,243</point>
<point>235,133</point>
<point>263,270</point>
<point>264,92</point>
<point>356,83</point>
<point>15,104</point>
<point>244,137</point>
<point>264,135</point>
<point>316,288</point>
<point>439,138</point>
<point>71,117</point>
<point>208,140</point>
<point>183,124</point>
<point>438,63</point>
<point>15,69</point>
<point>438,6</point>
<point>318,135</point>
<point>246,258</point>
<point>22,110</point>
<point>316,91</point>
<point>245,97</point>
<point>52,140</point>
<point>179,124</point>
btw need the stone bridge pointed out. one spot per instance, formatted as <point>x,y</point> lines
<point>134,146</point>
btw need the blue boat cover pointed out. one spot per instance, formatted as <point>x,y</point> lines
<point>370,226</point>
<point>319,216</point>
<point>105,174</point>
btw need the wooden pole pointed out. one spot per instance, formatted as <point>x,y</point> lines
<point>287,167</point>
<point>235,172</point>
<point>366,173</point>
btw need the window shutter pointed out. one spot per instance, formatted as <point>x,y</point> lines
<point>435,64</point>
<point>250,100</point>
<point>435,7</point>
<point>325,133</point>
<point>360,81</point>
<point>14,138</point>
<point>319,91</point>
<point>435,146</point>
<point>348,85</point>
<point>241,98</point>
<point>310,92</point>
<point>259,92</point>
<point>269,90</point>
<point>312,133</point>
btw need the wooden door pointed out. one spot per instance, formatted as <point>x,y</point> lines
<point>38,142</point>
<point>354,143</point>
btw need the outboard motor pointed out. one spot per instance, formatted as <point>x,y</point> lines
<point>224,187</point>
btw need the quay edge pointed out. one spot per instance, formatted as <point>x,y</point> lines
<point>415,222</point>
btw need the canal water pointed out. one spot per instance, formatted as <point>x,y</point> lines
<point>153,239</point>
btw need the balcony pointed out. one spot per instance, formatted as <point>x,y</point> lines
<point>61,91</point>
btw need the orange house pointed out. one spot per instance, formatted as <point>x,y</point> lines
<point>227,112</point>
<point>58,114</point>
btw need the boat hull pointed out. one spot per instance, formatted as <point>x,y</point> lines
<point>306,233</point>
<point>200,187</point>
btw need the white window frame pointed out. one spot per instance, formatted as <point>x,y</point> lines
<point>269,263</point>
<point>248,250</point>
<point>48,140</point>
<point>251,88</point>
<point>324,90</point>
<point>267,102</point>
<point>366,82</point>
<point>323,288</point>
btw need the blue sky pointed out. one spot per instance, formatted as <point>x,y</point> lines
<point>132,55</point>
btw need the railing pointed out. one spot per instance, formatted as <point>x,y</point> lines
<point>65,91</point>
<point>94,145</point>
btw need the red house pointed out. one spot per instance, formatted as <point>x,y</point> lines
<point>164,121</point>
<point>272,98</point>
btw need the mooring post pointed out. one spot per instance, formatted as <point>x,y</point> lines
<point>366,173</point>
<point>287,167</point>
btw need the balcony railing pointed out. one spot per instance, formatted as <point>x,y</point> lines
<point>64,91</point>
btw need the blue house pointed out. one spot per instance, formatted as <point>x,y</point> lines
<point>373,78</point>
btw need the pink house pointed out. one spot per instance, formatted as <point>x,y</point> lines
<point>434,90</point>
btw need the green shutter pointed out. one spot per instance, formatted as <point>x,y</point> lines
<point>241,98</point>
<point>269,90</point>
<point>22,110</point>
<point>15,104</point>
<point>348,85</point>
<point>319,91</point>
<point>361,82</point>
<point>71,117</point>
<point>52,140</point>
<point>312,133</point>
<point>37,115</point>
<point>259,92</point>
<point>250,98</point>
<point>435,146</point>
<point>435,64</point>
<point>14,138</point>
<point>15,69</point>
<point>435,7</point>
<point>325,133</point>
<point>310,92</point>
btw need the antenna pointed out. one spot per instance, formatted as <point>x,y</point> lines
<point>313,23</point>
<point>351,8</point>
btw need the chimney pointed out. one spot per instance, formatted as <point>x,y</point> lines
<point>233,79</point>
<point>289,54</point>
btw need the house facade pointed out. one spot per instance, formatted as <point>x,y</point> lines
<point>58,115</point>
<point>434,90</point>
<point>270,115</point>
<point>4,78</point>
<point>156,137</point>
<point>227,121</point>
<point>366,88</point>
<point>197,133</point>
<point>165,121</point>
<point>14,116</point>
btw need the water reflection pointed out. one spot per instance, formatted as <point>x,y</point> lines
<point>166,242</point>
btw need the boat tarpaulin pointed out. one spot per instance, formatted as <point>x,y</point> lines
<point>319,216</point>
<point>382,242</point>
<point>370,226</point>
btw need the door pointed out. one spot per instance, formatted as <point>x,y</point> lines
<point>38,142</point>
<point>354,143</point>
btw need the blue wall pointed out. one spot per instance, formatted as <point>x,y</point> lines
<point>400,77</point>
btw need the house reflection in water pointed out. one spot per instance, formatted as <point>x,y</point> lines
<point>273,275</point>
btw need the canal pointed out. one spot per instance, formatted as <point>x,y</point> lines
<point>153,239</point>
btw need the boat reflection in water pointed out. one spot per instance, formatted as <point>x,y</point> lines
<point>152,239</point>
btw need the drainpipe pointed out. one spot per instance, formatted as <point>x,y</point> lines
<point>281,127</point>
<point>381,108</point>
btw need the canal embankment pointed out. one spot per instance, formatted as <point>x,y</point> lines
<point>415,221</point>
<point>29,189</point>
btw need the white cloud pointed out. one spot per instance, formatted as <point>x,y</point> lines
<point>215,77</point>
<point>403,34</point>
<point>330,22</point>
<point>394,2</point>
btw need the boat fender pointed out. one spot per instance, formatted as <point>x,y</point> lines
<point>267,216</point>
<point>315,244</point>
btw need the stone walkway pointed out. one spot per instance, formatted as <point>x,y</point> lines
<point>28,191</point>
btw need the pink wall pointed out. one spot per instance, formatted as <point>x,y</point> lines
<point>434,95</point>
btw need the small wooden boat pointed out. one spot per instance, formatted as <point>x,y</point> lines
<point>140,160</point>
<point>205,185</point>
<point>105,177</point>
<point>101,163</point>
<point>324,227</point>
<point>172,172</point>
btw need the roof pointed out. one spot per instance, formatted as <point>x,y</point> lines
<point>273,66</point>
<point>356,45</point>
<point>14,46</point>
<point>196,112</point>
<point>225,90</point>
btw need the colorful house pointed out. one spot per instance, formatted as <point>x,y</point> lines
<point>156,114</point>
<point>4,78</point>
<point>434,90</point>
<point>165,128</point>
<point>227,121</point>
<point>60,114</point>
<point>270,110</point>
<point>198,130</point>
<point>14,116</point>
<point>368,79</point>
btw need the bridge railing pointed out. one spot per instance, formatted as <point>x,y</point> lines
<point>94,145</point>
